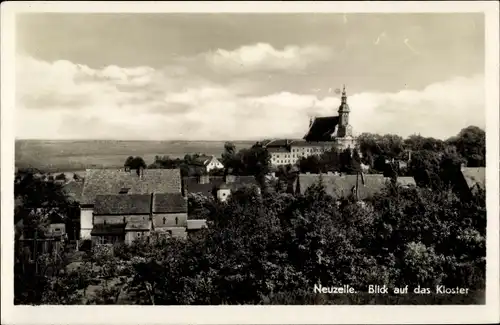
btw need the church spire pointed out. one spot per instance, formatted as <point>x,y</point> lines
<point>343,104</point>
<point>344,96</point>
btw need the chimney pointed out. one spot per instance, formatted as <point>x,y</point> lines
<point>204,179</point>
<point>230,178</point>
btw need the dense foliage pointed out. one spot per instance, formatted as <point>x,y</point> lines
<point>273,249</point>
<point>264,249</point>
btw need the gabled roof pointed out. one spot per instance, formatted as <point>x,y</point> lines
<point>169,203</point>
<point>322,128</point>
<point>343,186</point>
<point>475,176</point>
<point>111,181</point>
<point>122,204</point>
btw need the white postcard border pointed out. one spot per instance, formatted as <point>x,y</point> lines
<point>250,314</point>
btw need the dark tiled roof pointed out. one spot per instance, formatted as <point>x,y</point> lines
<point>109,229</point>
<point>73,190</point>
<point>475,176</point>
<point>169,203</point>
<point>192,185</point>
<point>322,128</point>
<point>304,143</point>
<point>111,181</point>
<point>122,204</point>
<point>343,186</point>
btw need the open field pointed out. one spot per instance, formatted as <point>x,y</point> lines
<point>78,155</point>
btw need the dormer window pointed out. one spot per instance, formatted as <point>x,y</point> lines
<point>124,190</point>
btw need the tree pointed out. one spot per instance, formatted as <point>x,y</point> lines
<point>471,144</point>
<point>135,163</point>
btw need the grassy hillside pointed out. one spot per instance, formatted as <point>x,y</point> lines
<point>54,155</point>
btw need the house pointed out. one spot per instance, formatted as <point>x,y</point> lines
<point>360,186</point>
<point>121,218</point>
<point>470,180</point>
<point>170,214</point>
<point>208,163</point>
<point>219,187</point>
<point>120,182</point>
<point>323,134</point>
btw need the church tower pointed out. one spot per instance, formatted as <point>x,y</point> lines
<point>343,124</point>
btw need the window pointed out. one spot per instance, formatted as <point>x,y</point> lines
<point>164,219</point>
<point>177,219</point>
<point>124,219</point>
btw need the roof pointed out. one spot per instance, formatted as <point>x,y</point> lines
<point>276,143</point>
<point>122,204</point>
<point>194,224</point>
<point>109,229</point>
<point>138,225</point>
<point>192,185</point>
<point>73,190</point>
<point>111,181</point>
<point>169,203</point>
<point>277,149</point>
<point>304,143</point>
<point>406,181</point>
<point>342,186</point>
<point>475,176</point>
<point>322,128</point>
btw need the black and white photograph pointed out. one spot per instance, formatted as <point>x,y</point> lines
<point>251,158</point>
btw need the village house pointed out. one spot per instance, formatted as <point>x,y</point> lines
<point>170,214</point>
<point>121,218</point>
<point>219,187</point>
<point>470,180</point>
<point>208,163</point>
<point>324,133</point>
<point>360,186</point>
<point>119,182</point>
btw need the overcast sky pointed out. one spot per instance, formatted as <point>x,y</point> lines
<point>241,76</point>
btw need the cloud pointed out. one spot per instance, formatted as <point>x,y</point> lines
<point>63,100</point>
<point>264,57</point>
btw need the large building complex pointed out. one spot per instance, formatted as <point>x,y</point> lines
<point>324,133</point>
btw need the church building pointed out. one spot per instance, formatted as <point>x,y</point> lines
<point>324,133</point>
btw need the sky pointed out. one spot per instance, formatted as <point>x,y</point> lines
<point>245,76</point>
